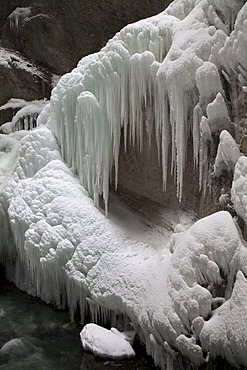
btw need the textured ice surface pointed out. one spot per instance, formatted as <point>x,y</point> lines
<point>227,155</point>
<point>25,118</point>
<point>106,343</point>
<point>164,75</point>
<point>67,251</point>
<point>239,188</point>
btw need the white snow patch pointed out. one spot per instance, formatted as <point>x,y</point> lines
<point>26,117</point>
<point>10,59</point>
<point>239,188</point>
<point>228,153</point>
<point>68,251</point>
<point>106,343</point>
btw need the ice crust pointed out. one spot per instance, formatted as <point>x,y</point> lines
<point>67,252</point>
<point>164,75</point>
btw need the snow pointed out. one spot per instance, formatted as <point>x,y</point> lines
<point>239,188</point>
<point>26,117</point>
<point>227,155</point>
<point>11,59</point>
<point>138,82</point>
<point>14,103</point>
<point>106,343</point>
<point>225,333</point>
<point>178,285</point>
<point>67,252</point>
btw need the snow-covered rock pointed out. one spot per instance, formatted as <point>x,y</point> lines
<point>67,252</point>
<point>106,343</point>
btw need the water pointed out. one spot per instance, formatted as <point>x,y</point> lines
<point>33,335</point>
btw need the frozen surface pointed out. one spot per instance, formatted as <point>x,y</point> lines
<point>239,188</point>
<point>106,343</point>
<point>227,155</point>
<point>11,59</point>
<point>26,117</point>
<point>17,18</point>
<point>66,250</point>
<point>165,75</point>
<point>179,291</point>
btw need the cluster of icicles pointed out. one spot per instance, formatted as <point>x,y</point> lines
<point>161,75</point>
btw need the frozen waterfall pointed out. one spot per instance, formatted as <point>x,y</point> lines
<point>168,76</point>
<point>164,75</point>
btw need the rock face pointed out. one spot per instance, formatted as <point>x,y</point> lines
<point>141,174</point>
<point>50,37</point>
<point>56,34</point>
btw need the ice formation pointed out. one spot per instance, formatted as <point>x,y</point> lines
<point>239,188</point>
<point>17,18</point>
<point>227,155</point>
<point>106,343</point>
<point>67,252</point>
<point>165,75</point>
<point>25,118</point>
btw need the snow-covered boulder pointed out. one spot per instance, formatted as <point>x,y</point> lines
<point>106,343</point>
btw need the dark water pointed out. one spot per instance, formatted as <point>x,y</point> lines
<point>33,335</point>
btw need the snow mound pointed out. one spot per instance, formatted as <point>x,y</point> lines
<point>68,253</point>
<point>105,343</point>
<point>227,155</point>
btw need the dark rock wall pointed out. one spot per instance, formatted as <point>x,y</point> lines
<point>59,32</point>
<point>141,174</point>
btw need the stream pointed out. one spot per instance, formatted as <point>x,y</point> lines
<point>34,335</point>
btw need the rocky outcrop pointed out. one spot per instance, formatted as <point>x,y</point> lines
<point>57,33</point>
<point>19,78</point>
<point>140,174</point>
<point>50,37</point>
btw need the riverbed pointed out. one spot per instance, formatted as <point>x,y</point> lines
<point>34,335</point>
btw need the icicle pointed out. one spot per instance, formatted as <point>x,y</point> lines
<point>17,18</point>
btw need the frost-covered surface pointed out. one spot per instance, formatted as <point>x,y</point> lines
<point>180,292</point>
<point>239,188</point>
<point>66,250</point>
<point>11,59</point>
<point>8,152</point>
<point>26,117</point>
<point>227,155</point>
<point>106,343</point>
<point>163,74</point>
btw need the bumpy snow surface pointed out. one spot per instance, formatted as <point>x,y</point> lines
<point>66,250</point>
<point>186,293</point>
